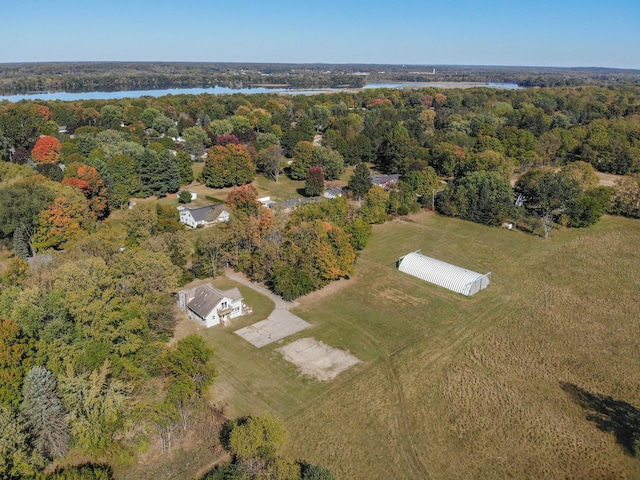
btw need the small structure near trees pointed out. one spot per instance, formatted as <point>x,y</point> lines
<point>451,277</point>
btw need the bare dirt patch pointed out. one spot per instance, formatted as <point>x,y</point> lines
<point>608,179</point>
<point>316,359</point>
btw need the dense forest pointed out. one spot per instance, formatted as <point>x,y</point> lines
<point>21,78</point>
<point>86,369</point>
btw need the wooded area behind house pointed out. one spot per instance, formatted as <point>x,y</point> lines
<point>86,322</point>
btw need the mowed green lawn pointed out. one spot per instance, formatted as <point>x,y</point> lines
<point>457,387</point>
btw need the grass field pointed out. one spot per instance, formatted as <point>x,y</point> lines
<point>501,384</point>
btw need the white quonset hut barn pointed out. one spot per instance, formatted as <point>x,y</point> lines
<point>443,274</point>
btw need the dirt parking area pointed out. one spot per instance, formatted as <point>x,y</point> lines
<point>280,324</point>
<point>316,359</point>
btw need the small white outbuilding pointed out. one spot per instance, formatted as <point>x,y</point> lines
<point>451,277</point>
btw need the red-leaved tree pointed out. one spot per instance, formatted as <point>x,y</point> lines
<point>46,150</point>
<point>89,181</point>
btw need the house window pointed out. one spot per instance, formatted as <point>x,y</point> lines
<point>224,305</point>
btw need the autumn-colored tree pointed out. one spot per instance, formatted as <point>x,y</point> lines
<point>44,112</point>
<point>244,199</point>
<point>227,166</point>
<point>46,150</point>
<point>89,181</point>
<point>314,183</point>
<point>60,223</point>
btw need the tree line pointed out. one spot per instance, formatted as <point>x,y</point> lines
<point>83,325</point>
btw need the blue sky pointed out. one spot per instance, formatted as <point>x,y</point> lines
<point>562,33</point>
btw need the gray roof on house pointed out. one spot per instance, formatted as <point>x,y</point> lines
<point>207,297</point>
<point>334,191</point>
<point>294,202</point>
<point>206,214</point>
<point>384,179</point>
<point>233,294</point>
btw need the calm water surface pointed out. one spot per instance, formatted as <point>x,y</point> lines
<point>66,96</point>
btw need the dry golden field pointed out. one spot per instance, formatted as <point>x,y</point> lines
<point>506,384</point>
<point>537,376</point>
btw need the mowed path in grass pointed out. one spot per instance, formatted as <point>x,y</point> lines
<point>456,387</point>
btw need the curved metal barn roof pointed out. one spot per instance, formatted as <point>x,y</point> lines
<point>443,274</point>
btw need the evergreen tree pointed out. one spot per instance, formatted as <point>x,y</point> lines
<point>360,181</point>
<point>158,173</point>
<point>302,157</point>
<point>185,170</point>
<point>21,243</point>
<point>45,413</point>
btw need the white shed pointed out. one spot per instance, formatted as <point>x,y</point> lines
<point>456,279</point>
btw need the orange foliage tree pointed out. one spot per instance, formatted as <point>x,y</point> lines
<point>244,199</point>
<point>60,223</point>
<point>89,181</point>
<point>46,150</point>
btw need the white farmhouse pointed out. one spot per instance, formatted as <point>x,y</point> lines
<point>211,306</point>
<point>203,216</point>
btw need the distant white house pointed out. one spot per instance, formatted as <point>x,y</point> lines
<point>203,216</point>
<point>211,306</point>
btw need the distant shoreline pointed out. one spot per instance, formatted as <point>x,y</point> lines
<point>253,89</point>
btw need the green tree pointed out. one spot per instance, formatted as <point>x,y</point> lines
<point>158,173</point>
<point>185,167</point>
<point>481,197</point>
<point>120,171</point>
<point>44,412</point>
<point>51,171</point>
<point>98,406</point>
<point>302,160</point>
<point>185,197</point>
<point>583,173</point>
<point>330,160</point>
<point>20,206</point>
<point>375,205</point>
<point>396,149</point>
<point>547,194</point>
<point>320,116</point>
<point>261,436</point>
<point>189,369</point>
<point>589,207</point>
<point>81,472</point>
<point>15,350</point>
<point>21,243</point>
<point>195,141</point>
<point>316,472</point>
<point>360,182</point>
<point>18,459</point>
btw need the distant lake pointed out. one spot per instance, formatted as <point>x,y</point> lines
<point>66,96</point>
